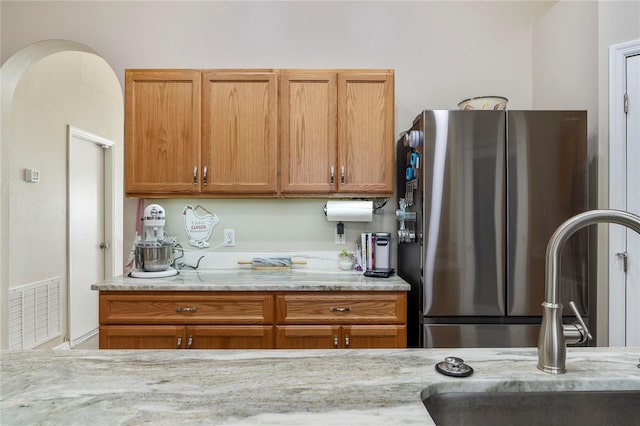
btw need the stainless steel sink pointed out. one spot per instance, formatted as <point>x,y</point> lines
<point>565,408</point>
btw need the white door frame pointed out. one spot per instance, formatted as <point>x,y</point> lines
<point>109,210</point>
<point>618,55</point>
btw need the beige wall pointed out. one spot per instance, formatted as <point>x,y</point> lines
<point>441,51</point>
<point>618,22</point>
<point>565,61</point>
<point>67,88</point>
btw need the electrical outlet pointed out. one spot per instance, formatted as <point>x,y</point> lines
<point>340,238</point>
<point>229,237</point>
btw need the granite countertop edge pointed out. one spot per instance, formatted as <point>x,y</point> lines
<point>244,279</point>
<point>277,387</point>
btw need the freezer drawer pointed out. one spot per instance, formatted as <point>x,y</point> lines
<point>480,335</point>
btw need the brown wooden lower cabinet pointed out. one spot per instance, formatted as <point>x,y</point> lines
<point>230,337</point>
<point>340,337</point>
<point>252,320</point>
<point>374,336</point>
<point>142,337</point>
<point>307,336</point>
<point>190,337</point>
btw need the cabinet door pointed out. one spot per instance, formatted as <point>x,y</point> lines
<point>366,132</point>
<point>374,336</point>
<point>308,108</point>
<point>239,132</point>
<point>307,337</point>
<point>229,337</point>
<point>162,131</point>
<point>142,337</point>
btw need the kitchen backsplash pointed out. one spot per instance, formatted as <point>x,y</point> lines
<point>264,225</point>
<point>263,228</point>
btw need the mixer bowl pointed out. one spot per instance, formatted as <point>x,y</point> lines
<point>154,257</point>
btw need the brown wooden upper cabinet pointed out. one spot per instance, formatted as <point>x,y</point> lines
<point>336,132</point>
<point>233,132</point>
<point>239,132</point>
<point>201,132</point>
<point>162,131</point>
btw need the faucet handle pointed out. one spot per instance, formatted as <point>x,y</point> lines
<point>585,330</point>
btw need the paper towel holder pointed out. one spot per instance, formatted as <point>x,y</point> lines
<point>347,211</point>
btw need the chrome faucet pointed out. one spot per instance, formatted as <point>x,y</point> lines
<point>554,336</point>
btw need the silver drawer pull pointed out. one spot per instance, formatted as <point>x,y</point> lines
<point>335,341</point>
<point>195,175</point>
<point>191,309</point>
<point>179,342</point>
<point>339,309</point>
<point>346,341</point>
<point>189,342</point>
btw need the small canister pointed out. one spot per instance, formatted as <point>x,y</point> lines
<point>382,250</point>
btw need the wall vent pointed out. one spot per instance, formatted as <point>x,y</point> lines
<point>34,314</point>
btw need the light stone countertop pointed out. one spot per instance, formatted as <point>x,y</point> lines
<point>275,387</point>
<point>246,279</point>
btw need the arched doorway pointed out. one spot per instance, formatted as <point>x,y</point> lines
<point>46,87</point>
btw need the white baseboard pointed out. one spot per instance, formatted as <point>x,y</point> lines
<point>84,337</point>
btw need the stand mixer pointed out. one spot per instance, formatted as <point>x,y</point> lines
<point>154,253</point>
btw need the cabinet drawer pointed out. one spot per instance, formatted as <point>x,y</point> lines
<point>353,308</point>
<point>185,308</point>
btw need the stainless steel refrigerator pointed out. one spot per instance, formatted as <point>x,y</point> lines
<point>480,193</point>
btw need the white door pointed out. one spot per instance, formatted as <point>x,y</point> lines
<point>87,244</point>
<point>624,193</point>
<point>633,201</point>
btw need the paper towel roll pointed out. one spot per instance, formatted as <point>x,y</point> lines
<point>349,211</point>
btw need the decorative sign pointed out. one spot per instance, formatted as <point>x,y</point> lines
<point>199,227</point>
